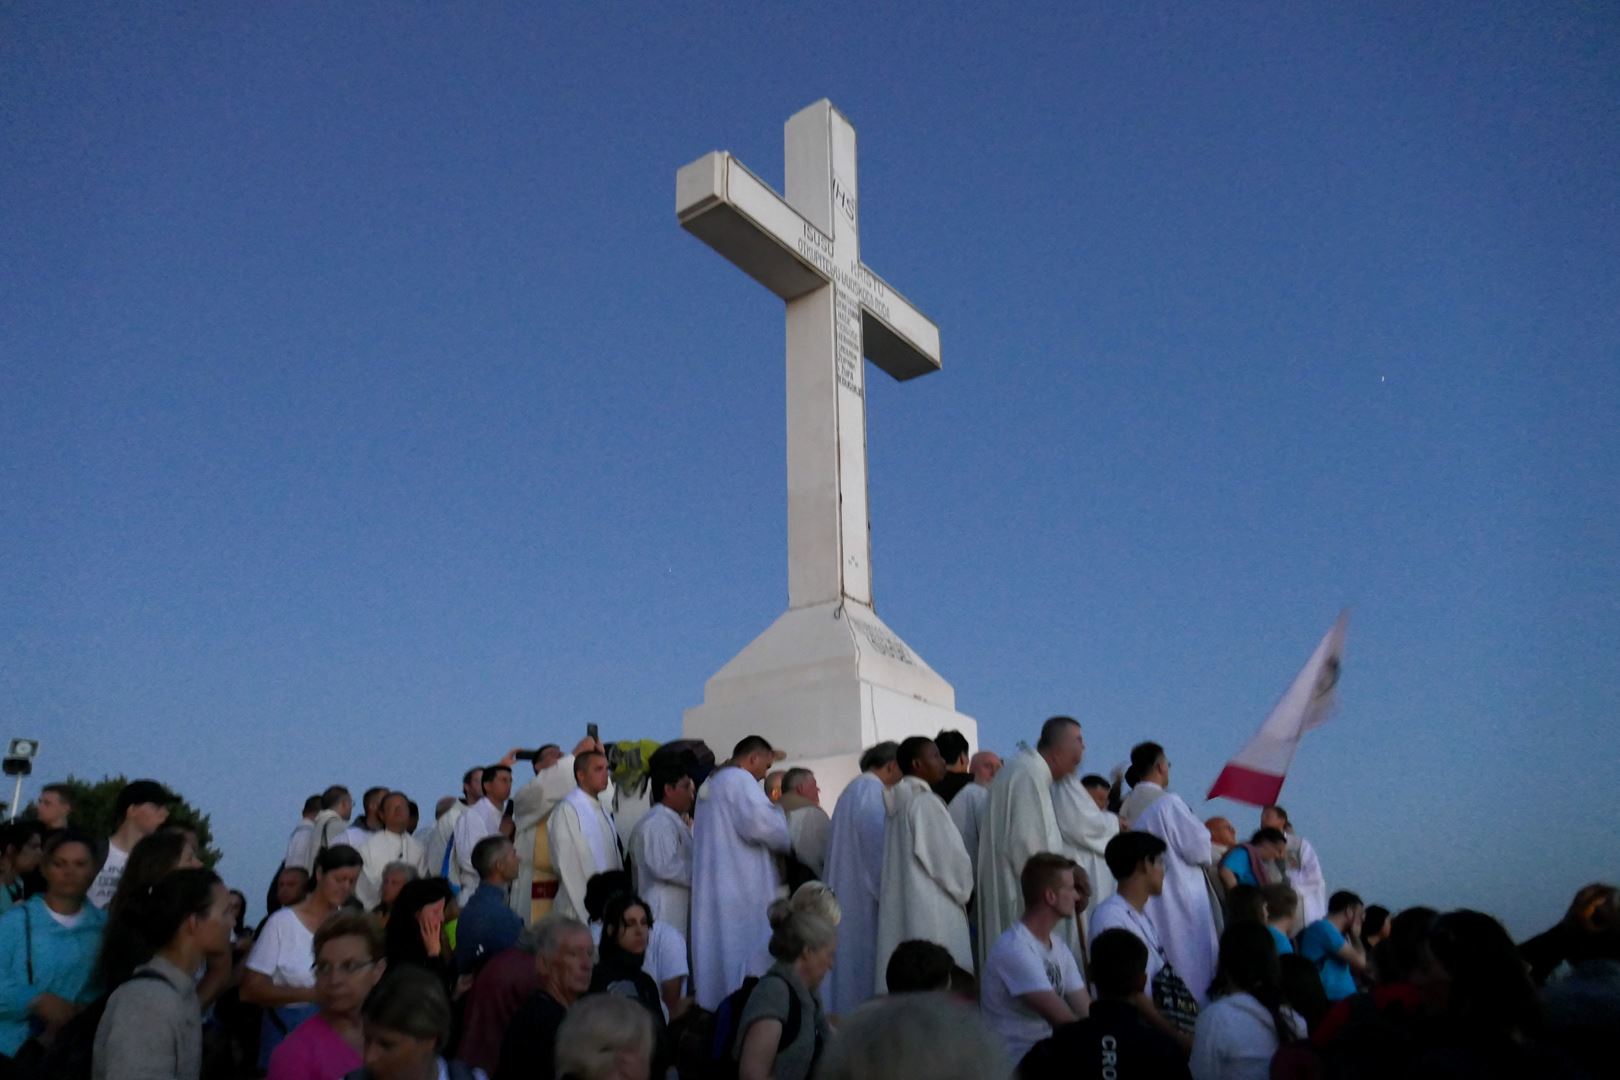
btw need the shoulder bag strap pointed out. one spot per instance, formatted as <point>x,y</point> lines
<point>28,936</point>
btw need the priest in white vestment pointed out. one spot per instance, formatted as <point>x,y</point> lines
<point>966,807</point>
<point>855,875</point>
<point>584,840</point>
<point>1019,822</point>
<point>1181,914</point>
<point>661,851</point>
<point>1304,868</point>
<point>1086,830</point>
<point>482,818</point>
<point>437,845</point>
<point>390,844</point>
<point>927,875</point>
<point>736,835</point>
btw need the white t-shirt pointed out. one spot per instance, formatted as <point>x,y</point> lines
<point>1018,964</point>
<point>112,872</point>
<point>66,922</point>
<point>1115,913</point>
<point>285,951</point>
<point>1237,1037</point>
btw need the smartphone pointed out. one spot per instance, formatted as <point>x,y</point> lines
<point>592,732</point>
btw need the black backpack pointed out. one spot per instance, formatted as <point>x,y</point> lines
<point>71,1056</point>
<point>722,1058</point>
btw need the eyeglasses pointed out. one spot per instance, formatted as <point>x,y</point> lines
<point>345,969</point>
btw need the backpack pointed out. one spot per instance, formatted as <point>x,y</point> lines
<point>71,1056</point>
<point>722,1056</point>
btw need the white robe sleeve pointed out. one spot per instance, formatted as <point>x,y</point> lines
<point>470,829</point>
<point>663,856</point>
<point>1027,838</point>
<point>762,823</point>
<point>938,849</point>
<point>572,859</point>
<point>368,886</point>
<point>1186,836</point>
<point>534,800</point>
<point>1084,827</point>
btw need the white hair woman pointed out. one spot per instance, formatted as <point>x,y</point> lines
<point>605,1037</point>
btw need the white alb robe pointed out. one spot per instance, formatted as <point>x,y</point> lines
<point>1142,795</point>
<point>736,836</point>
<point>1182,914</point>
<point>381,849</point>
<point>927,878</point>
<point>1018,822</point>
<point>967,814</point>
<point>1305,875</point>
<point>1086,830</point>
<point>483,818</point>
<point>855,875</point>
<point>584,843</point>
<point>355,835</point>
<point>437,846</point>
<point>661,859</point>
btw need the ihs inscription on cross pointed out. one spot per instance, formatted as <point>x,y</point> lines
<point>806,249</point>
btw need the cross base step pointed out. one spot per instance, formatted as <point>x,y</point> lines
<point>824,682</point>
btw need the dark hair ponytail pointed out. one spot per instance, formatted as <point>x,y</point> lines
<point>1143,757</point>
<point>173,900</point>
<point>125,943</point>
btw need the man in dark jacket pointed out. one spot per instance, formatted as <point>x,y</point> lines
<point>563,959</point>
<point>1115,1040</point>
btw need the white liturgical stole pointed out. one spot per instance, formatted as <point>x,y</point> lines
<point>593,826</point>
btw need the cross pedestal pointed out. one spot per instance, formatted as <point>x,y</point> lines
<point>827,678</point>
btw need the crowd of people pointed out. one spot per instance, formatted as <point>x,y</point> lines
<point>951,917</point>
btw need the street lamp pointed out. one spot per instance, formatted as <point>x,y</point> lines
<point>19,762</point>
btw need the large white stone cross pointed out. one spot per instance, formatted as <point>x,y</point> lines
<point>806,249</point>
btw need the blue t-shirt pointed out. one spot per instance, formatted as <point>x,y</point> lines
<point>1284,946</point>
<point>1237,860</point>
<point>1320,944</point>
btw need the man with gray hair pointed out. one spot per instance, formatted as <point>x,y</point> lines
<point>808,825</point>
<point>562,964</point>
<point>487,924</point>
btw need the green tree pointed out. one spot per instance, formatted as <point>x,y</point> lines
<point>94,802</point>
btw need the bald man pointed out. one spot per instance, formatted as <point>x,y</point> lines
<point>1222,836</point>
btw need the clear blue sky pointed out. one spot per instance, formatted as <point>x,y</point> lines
<point>364,412</point>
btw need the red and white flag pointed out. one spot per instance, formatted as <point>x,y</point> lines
<point>1255,776</point>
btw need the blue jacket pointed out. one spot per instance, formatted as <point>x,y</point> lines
<point>64,963</point>
<point>487,926</point>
